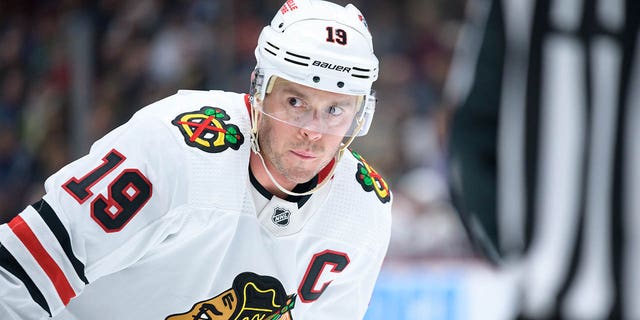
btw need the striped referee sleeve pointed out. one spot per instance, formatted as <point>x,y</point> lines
<point>544,151</point>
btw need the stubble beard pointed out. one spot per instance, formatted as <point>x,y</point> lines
<point>293,171</point>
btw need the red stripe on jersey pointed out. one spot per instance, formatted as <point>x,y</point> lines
<point>21,229</point>
<point>247,103</point>
<point>326,171</point>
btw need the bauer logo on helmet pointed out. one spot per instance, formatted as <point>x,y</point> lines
<point>331,66</point>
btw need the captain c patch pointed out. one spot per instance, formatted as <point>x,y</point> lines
<point>206,130</point>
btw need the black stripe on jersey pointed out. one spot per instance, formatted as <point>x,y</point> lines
<point>619,193</point>
<point>9,263</point>
<point>532,117</point>
<point>618,197</point>
<point>58,229</point>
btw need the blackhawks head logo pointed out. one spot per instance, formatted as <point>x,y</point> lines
<point>206,130</point>
<point>251,297</point>
<point>370,180</point>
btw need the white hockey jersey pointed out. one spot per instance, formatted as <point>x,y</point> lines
<point>162,221</point>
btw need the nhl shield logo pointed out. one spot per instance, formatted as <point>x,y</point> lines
<point>280,217</point>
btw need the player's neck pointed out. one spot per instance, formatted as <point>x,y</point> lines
<point>262,176</point>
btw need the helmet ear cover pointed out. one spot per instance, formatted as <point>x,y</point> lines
<point>320,45</point>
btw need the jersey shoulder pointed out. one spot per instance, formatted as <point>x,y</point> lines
<point>209,121</point>
<point>210,132</point>
<point>171,143</point>
<point>357,210</point>
<point>189,121</point>
<point>364,178</point>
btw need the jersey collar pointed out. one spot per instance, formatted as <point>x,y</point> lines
<point>302,187</point>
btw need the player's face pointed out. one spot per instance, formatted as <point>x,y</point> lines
<point>298,150</point>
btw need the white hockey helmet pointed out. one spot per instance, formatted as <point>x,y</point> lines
<point>321,45</point>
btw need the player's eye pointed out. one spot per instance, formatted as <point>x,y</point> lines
<point>335,111</point>
<point>296,102</point>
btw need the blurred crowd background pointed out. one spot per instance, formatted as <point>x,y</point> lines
<point>70,71</point>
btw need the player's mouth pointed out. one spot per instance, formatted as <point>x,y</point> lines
<point>304,155</point>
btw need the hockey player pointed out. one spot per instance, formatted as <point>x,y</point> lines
<point>220,205</point>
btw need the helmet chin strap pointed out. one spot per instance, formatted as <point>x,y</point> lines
<point>255,148</point>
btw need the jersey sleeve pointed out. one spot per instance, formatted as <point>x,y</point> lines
<point>100,214</point>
